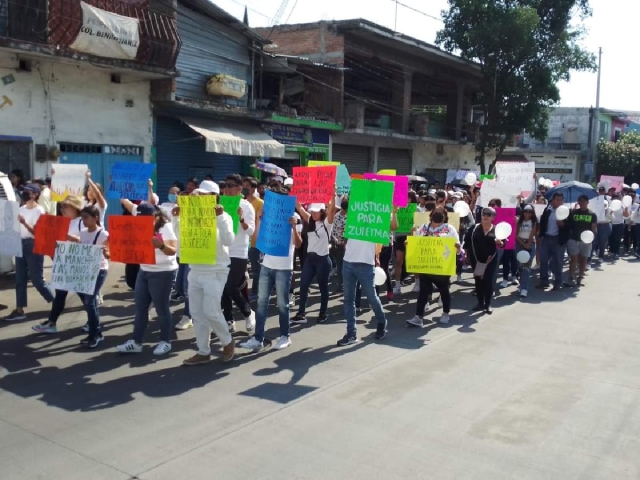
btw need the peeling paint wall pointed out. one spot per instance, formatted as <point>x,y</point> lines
<point>57,103</point>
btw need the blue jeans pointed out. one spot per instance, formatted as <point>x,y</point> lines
<point>509,264</point>
<point>179,284</point>
<point>153,287</point>
<point>617,231</point>
<point>91,305</point>
<point>30,267</point>
<point>364,273</point>
<point>602,239</point>
<point>282,280</point>
<point>498,258</point>
<point>254,260</point>
<point>525,268</point>
<point>185,290</point>
<point>551,251</point>
<point>320,268</point>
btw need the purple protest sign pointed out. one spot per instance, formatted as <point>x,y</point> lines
<point>400,188</point>
<point>507,215</point>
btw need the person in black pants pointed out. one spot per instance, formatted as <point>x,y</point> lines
<point>481,246</point>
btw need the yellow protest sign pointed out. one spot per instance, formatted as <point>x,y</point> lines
<point>387,172</point>
<point>423,218</point>
<point>431,255</point>
<point>198,229</point>
<point>322,163</point>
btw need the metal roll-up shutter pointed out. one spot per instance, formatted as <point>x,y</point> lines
<point>356,158</point>
<point>395,159</point>
<point>180,154</point>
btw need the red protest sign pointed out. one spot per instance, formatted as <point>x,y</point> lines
<point>314,184</point>
<point>130,239</point>
<point>49,230</point>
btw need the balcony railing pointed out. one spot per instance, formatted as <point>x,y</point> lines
<point>57,23</point>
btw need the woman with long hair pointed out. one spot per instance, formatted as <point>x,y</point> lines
<point>30,266</point>
<point>526,241</point>
<point>94,196</point>
<point>437,227</point>
<point>482,246</point>
<point>318,223</point>
<point>154,284</point>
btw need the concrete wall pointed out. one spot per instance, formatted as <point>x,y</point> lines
<point>79,101</point>
<point>426,157</point>
<point>566,117</point>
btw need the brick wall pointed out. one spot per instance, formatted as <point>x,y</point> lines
<point>318,41</point>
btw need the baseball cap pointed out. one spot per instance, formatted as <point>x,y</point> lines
<point>316,207</point>
<point>207,186</point>
<point>32,187</point>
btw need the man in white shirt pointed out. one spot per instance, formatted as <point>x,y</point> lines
<point>239,254</point>
<point>360,262</point>
<point>206,284</point>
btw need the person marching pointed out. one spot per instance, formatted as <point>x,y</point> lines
<point>527,228</point>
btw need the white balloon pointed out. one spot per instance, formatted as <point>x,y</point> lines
<point>615,205</point>
<point>503,230</point>
<point>380,276</point>
<point>461,208</point>
<point>587,236</point>
<point>470,178</point>
<point>627,201</point>
<point>541,181</point>
<point>548,183</point>
<point>635,186</point>
<point>562,212</point>
<point>523,256</point>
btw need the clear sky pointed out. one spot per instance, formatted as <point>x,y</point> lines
<point>614,27</point>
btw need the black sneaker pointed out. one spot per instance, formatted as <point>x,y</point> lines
<point>347,340</point>
<point>15,316</point>
<point>177,298</point>
<point>322,318</point>
<point>381,332</point>
<point>85,329</point>
<point>232,326</point>
<point>298,320</point>
<point>92,342</point>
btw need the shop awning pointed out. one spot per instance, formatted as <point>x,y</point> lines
<point>242,140</point>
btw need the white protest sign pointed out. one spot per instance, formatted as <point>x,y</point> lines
<point>107,34</point>
<point>539,209</point>
<point>492,189</point>
<point>519,174</point>
<point>596,205</point>
<point>76,267</point>
<point>67,180</point>
<point>10,239</point>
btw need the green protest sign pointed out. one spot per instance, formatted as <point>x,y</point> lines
<point>369,214</point>
<point>231,205</point>
<point>405,218</point>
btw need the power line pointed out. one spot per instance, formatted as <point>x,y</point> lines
<point>252,9</point>
<point>409,7</point>
<point>291,12</point>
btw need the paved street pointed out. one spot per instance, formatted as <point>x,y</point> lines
<point>547,389</point>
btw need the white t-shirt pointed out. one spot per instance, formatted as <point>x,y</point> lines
<point>524,231</point>
<point>76,227</point>
<point>318,242</point>
<point>617,217</point>
<point>358,251</point>
<point>240,246</point>
<point>99,237</point>
<point>31,216</point>
<point>282,263</point>
<point>164,263</point>
<point>101,211</point>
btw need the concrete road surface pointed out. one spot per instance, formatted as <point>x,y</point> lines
<point>543,389</point>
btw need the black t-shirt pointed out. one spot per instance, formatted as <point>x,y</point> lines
<point>581,221</point>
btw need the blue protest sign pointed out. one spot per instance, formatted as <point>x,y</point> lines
<point>274,236</point>
<point>343,181</point>
<point>130,180</point>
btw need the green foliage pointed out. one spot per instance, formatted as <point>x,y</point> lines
<point>621,158</point>
<point>523,47</point>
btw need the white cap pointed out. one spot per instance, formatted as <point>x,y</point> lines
<point>278,178</point>
<point>316,207</point>
<point>432,192</point>
<point>458,195</point>
<point>207,186</point>
<point>288,182</point>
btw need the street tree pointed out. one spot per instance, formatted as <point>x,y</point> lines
<point>621,158</point>
<point>524,48</point>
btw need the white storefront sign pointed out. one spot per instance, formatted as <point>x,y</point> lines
<point>107,34</point>
<point>554,168</point>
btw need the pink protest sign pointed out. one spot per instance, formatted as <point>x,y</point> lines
<point>507,215</point>
<point>400,187</point>
<point>612,182</point>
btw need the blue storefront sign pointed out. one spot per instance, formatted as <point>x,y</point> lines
<point>295,135</point>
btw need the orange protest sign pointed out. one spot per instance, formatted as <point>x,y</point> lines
<point>50,230</point>
<point>314,184</point>
<point>130,239</point>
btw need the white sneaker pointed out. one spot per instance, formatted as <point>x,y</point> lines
<point>504,284</point>
<point>251,321</point>
<point>416,287</point>
<point>185,323</point>
<point>416,322</point>
<point>444,319</point>
<point>130,346</point>
<point>523,293</point>
<point>251,344</point>
<point>100,299</point>
<point>283,342</point>
<point>292,300</point>
<point>440,302</point>
<point>397,290</point>
<point>459,279</point>
<point>162,349</point>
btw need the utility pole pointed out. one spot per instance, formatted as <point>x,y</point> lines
<point>395,25</point>
<point>596,119</point>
